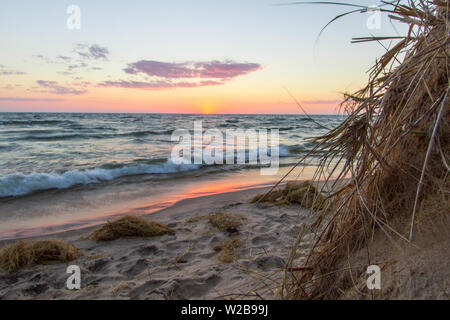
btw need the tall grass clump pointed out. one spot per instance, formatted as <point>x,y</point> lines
<point>394,145</point>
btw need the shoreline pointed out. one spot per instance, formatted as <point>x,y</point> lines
<point>173,207</point>
<point>54,211</point>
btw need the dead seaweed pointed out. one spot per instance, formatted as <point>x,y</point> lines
<point>129,227</point>
<point>302,193</point>
<point>26,254</point>
<point>227,250</point>
<point>226,222</point>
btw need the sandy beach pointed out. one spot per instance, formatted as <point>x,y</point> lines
<point>179,266</point>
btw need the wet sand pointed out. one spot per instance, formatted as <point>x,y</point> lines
<point>55,211</point>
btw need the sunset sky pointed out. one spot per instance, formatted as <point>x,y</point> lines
<point>199,56</point>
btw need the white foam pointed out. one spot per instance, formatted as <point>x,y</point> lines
<point>284,151</point>
<point>18,184</point>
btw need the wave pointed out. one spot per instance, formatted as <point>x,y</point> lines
<point>34,122</point>
<point>296,150</point>
<point>74,136</point>
<point>7,147</point>
<point>19,184</point>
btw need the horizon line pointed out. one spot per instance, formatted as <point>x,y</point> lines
<point>183,113</point>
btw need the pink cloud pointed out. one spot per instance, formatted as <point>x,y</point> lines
<point>170,75</point>
<point>157,85</point>
<point>212,69</point>
<point>55,88</point>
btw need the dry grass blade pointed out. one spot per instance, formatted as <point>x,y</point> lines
<point>425,163</point>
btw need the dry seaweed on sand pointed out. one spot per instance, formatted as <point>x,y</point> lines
<point>129,227</point>
<point>272,196</point>
<point>226,222</point>
<point>393,169</point>
<point>303,193</point>
<point>227,250</point>
<point>196,219</point>
<point>25,254</point>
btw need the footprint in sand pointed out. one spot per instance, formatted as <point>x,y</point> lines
<point>189,288</point>
<point>147,250</point>
<point>137,267</point>
<point>262,239</point>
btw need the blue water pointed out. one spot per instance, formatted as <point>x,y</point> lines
<point>40,151</point>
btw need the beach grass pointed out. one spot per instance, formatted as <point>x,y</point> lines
<point>394,144</point>
<point>129,227</point>
<point>25,254</point>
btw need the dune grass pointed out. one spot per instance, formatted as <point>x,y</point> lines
<point>227,250</point>
<point>394,144</point>
<point>129,227</point>
<point>302,193</point>
<point>26,254</point>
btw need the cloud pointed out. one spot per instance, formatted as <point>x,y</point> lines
<point>76,66</point>
<point>19,99</point>
<point>41,57</point>
<point>170,75</point>
<point>4,71</point>
<point>226,69</point>
<point>55,88</point>
<point>82,83</point>
<point>10,73</point>
<point>65,73</point>
<point>94,51</point>
<point>213,69</point>
<point>65,58</point>
<point>157,85</point>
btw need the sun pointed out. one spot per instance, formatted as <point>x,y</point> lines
<point>208,107</point>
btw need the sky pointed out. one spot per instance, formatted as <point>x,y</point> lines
<point>178,56</point>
